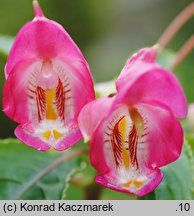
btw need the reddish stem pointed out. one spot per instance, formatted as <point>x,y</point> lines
<point>175,25</point>
<point>184,52</point>
<point>47,169</point>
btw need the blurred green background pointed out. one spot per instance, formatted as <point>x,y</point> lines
<point>107,32</point>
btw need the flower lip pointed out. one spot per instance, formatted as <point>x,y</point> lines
<point>104,180</point>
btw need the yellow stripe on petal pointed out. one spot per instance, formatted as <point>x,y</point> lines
<point>125,153</point>
<point>50,112</point>
<point>57,134</point>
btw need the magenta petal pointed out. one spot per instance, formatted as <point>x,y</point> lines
<point>26,133</point>
<point>164,134</point>
<point>15,103</point>
<point>149,83</point>
<point>92,114</point>
<point>29,140</point>
<point>80,81</point>
<point>110,182</point>
<point>97,156</point>
<point>42,38</point>
<point>143,56</point>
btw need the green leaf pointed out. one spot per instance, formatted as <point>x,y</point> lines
<point>177,183</point>
<point>5,44</point>
<point>21,168</point>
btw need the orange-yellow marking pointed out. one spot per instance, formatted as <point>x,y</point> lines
<point>47,134</point>
<point>125,153</point>
<point>127,184</point>
<point>137,183</point>
<point>50,112</point>
<point>57,134</point>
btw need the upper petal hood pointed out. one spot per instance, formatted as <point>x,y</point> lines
<point>43,38</point>
<point>146,55</point>
<point>48,82</point>
<point>145,81</point>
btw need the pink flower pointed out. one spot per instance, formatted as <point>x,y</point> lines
<point>47,83</point>
<point>136,132</point>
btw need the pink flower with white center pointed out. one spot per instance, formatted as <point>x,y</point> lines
<point>47,83</point>
<point>135,132</point>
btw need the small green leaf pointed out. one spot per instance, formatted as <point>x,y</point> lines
<point>5,44</point>
<point>177,183</point>
<point>80,179</point>
<point>20,167</point>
